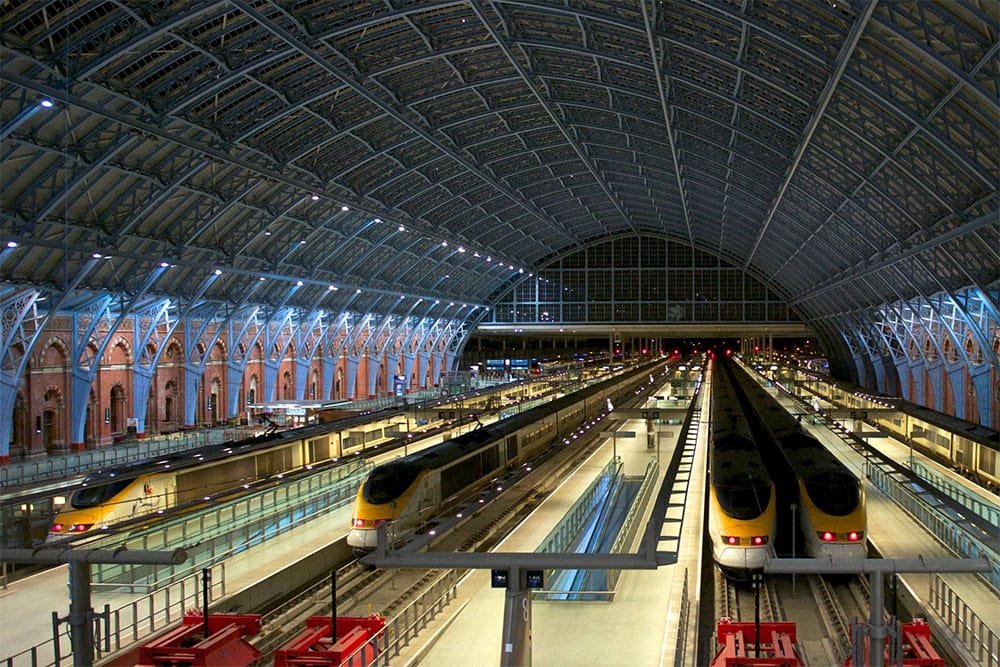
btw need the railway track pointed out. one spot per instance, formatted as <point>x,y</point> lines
<point>822,608</point>
<point>362,590</point>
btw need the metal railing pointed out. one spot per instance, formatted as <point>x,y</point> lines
<point>977,637</point>
<point>218,533</point>
<point>568,528</point>
<point>115,629</point>
<point>984,508</point>
<point>626,537</point>
<point>406,626</point>
<point>79,463</point>
<point>938,524</point>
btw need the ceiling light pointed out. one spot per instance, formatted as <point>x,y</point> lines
<point>331,288</point>
<point>218,272</point>
<point>461,249</point>
<point>96,255</point>
<point>315,197</point>
<point>164,264</point>
<point>298,283</point>
<point>11,244</point>
<point>344,208</point>
<point>401,228</point>
<point>47,103</point>
<point>444,244</point>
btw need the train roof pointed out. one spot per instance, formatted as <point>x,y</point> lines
<point>462,445</point>
<point>735,460</point>
<point>980,433</point>
<point>196,456</point>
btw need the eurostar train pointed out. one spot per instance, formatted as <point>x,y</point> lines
<point>832,514</point>
<point>742,512</point>
<point>128,491</point>
<point>409,491</point>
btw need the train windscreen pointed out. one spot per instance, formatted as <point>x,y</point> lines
<point>837,494</point>
<point>744,501</point>
<point>92,496</point>
<point>387,482</point>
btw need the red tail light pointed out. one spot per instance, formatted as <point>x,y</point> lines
<point>57,528</point>
<point>828,537</point>
<point>730,539</point>
<point>359,523</point>
<point>80,527</point>
<point>854,537</point>
<point>759,540</point>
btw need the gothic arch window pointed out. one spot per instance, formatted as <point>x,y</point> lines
<point>213,402</point>
<point>948,350</point>
<point>20,434</point>
<point>117,409</point>
<point>929,350</point>
<point>286,386</point>
<point>169,392</point>
<point>973,351</point>
<point>252,394</point>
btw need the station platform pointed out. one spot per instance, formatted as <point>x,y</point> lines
<point>897,535</point>
<point>27,605</point>
<point>646,608</point>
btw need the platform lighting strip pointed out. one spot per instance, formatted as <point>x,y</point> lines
<point>12,244</point>
<point>47,100</point>
<point>47,103</point>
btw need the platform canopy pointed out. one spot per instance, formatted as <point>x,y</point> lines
<point>391,157</point>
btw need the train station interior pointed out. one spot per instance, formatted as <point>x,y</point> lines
<point>258,258</point>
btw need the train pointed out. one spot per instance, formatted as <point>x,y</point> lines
<point>832,514</point>
<point>742,502</point>
<point>407,492</point>
<point>972,450</point>
<point>110,496</point>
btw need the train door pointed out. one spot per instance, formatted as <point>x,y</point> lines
<point>429,495</point>
<point>511,450</point>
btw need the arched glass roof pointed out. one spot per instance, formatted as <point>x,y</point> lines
<point>844,152</point>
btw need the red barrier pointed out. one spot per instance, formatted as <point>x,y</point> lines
<point>314,646</point>
<point>223,647</point>
<point>916,647</point>
<point>741,647</point>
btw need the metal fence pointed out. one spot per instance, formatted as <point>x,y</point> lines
<point>121,627</point>
<point>977,637</point>
<point>940,525</point>
<point>406,626</point>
